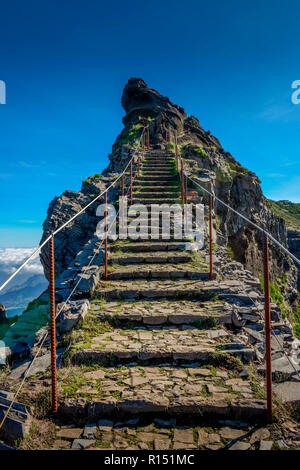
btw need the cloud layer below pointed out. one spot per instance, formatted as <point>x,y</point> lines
<point>11,259</point>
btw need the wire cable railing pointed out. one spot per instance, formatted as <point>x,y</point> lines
<point>53,314</point>
<point>60,310</point>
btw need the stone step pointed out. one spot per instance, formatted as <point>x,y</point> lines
<point>157,167</point>
<point>19,419</point>
<point>155,219</point>
<point>160,344</point>
<point>158,195</point>
<point>152,172</point>
<point>149,182</point>
<point>182,271</point>
<point>149,203</point>
<point>161,189</point>
<point>148,246</point>
<point>153,163</point>
<point>159,257</point>
<point>171,434</point>
<point>154,200</point>
<point>204,314</point>
<point>146,219</point>
<point>161,237</point>
<point>156,211</point>
<point>167,165</point>
<point>201,395</point>
<point>175,290</point>
<point>154,160</point>
<point>160,178</point>
<point>158,163</point>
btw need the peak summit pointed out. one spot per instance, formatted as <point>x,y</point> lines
<point>137,96</point>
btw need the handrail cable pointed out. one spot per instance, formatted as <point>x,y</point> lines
<point>277,340</point>
<point>268,235</point>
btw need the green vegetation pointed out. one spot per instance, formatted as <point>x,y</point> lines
<point>35,304</point>
<point>82,334</point>
<point>236,167</point>
<point>276,290</point>
<point>218,221</point>
<point>255,383</point>
<point>296,326</point>
<point>223,177</point>
<point>93,178</point>
<point>193,148</point>
<point>289,211</point>
<point>230,251</point>
<point>200,151</point>
<point>131,136</point>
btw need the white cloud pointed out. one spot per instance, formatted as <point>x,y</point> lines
<point>12,258</point>
<point>25,221</point>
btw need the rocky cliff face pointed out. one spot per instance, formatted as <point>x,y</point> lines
<point>205,159</point>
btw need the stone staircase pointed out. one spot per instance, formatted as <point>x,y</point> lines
<point>162,358</point>
<point>157,343</point>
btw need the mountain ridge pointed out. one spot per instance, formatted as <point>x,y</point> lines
<point>204,158</point>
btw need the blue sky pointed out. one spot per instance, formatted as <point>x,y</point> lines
<point>230,63</point>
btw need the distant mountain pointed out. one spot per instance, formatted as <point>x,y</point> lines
<point>26,286</point>
<point>19,296</point>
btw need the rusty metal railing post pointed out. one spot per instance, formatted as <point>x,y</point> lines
<point>210,241</point>
<point>182,190</point>
<point>267,327</point>
<point>131,183</point>
<point>54,400</point>
<point>105,237</point>
<point>148,139</point>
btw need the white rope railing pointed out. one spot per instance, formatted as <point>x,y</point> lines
<point>39,248</point>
